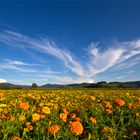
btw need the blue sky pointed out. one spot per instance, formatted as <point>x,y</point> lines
<point>66,42</point>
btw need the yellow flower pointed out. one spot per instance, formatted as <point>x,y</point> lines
<point>106,130</point>
<point>3,105</point>
<point>131,106</point>
<point>46,110</point>
<point>137,114</point>
<point>21,118</point>
<point>66,111</point>
<point>27,123</point>
<point>63,116</point>
<point>35,117</point>
<point>41,104</point>
<point>92,98</point>
<point>92,120</point>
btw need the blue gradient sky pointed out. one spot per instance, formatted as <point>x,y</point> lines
<point>69,42</point>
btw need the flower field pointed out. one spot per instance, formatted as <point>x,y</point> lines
<point>69,114</point>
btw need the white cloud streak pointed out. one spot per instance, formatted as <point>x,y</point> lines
<point>44,46</point>
<point>16,62</point>
<point>117,55</point>
<point>3,81</point>
<point>16,65</point>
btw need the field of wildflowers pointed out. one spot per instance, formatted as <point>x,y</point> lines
<point>69,114</point>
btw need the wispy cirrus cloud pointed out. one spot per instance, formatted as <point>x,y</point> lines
<point>16,62</point>
<point>16,65</point>
<point>42,45</point>
<point>117,56</point>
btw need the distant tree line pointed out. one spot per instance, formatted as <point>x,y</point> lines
<point>112,85</point>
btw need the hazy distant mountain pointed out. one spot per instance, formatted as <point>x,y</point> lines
<point>52,86</point>
<point>102,84</point>
<point>9,85</point>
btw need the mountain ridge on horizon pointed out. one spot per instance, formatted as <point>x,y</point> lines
<point>102,84</point>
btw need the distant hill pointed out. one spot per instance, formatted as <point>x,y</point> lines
<point>52,86</point>
<point>12,86</point>
<point>82,85</point>
<point>102,84</point>
<point>99,85</point>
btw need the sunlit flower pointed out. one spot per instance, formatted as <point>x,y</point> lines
<point>108,111</point>
<point>29,128</point>
<point>72,115</point>
<point>4,115</point>
<point>63,116</point>
<point>46,110</point>
<point>92,98</point>
<point>106,103</point>
<point>106,130</point>
<point>21,117</point>
<point>41,104</point>
<point>76,128</point>
<point>35,117</point>
<point>27,123</point>
<point>3,105</point>
<point>137,114</point>
<point>119,102</point>
<point>77,119</point>
<point>12,119</point>
<point>42,116</point>
<point>24,106</point>
<point>92,120</point>
<point>66,111</point>
<point>130,106</point>
<point>54,129</point>
<point>55,106</point>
